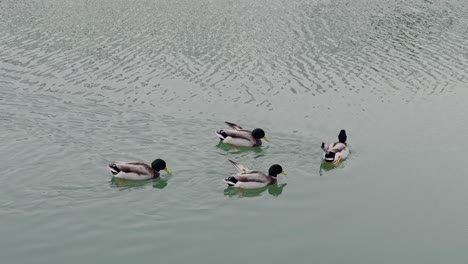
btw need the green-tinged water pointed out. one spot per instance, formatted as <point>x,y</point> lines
<point>84,83</point>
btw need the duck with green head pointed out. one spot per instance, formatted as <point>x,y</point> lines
<point>237,136</point>
<point>138,170</point>
<point>252,179</point>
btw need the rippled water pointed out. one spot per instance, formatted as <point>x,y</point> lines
<point>83,83</point>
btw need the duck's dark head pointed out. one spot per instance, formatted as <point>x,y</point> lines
<point>258,133</point>
<point>275,170</point>
<point>342,136</point>
<point>159,164</point>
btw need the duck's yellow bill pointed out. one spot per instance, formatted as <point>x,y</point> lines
<point>266,139</point>
<point>283,172</point>
<point>167,170</point>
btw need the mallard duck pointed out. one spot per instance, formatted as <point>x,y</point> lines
<point>138,170</point>
<point>250,179</point>
<point>336,151</point>
<point>237,136</point>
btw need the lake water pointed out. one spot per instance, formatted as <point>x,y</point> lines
<point>84,83</point>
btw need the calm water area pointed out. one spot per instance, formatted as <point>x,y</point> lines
<point>87,82</point>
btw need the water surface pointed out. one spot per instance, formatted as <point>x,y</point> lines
<point>83,83</point>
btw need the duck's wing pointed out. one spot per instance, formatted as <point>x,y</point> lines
<point>337,147</point>
<point>133,167</point>
<point>242,133</point>
<point>240,168</point>
<point>252,176</point>
<point>233,126</point>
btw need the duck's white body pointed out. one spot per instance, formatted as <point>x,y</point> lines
<point>237,141</point>
<point>133,176</point>
<point>343,153</point>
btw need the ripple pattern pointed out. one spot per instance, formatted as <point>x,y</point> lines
<point>135,52</point>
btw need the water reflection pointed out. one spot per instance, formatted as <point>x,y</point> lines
<point>328,166</point>
<point>228,147</point>
<point>157,183</point>
<point>274,190</point>
<point>242,150</point>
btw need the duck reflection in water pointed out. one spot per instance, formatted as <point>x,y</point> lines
<point>274,190</point>
<point>238,150</point>
<point>157,183</point>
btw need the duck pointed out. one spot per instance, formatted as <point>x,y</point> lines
<point>336,151</point>
<point>138,170</point>
<point>252,179</point>
<point>240,137</point>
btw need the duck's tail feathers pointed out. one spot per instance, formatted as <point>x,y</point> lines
<point>239,167</point>
<point>114,169</point>
<point>233,126</point>
<point>221,135</point>
<point>231,181</point>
